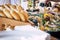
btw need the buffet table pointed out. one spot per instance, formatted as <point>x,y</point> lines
<point>25,32</point>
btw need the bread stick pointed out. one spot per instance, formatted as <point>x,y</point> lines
<point>25,14</point>
<point>15,15</point>
<point>2,14</point>
<point>7,7</point>
<point>22,17</point>
<point>19,8</point>
<point>7,13</point>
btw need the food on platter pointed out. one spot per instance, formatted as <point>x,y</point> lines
<point>13,12</point>
<point>19,8</point>
<point>7,13</point>
<point>25,14</point>
<point>13,7</point>
<point>1,8</point>
<point>12,16</point>
<point>42,27</point>
<point>2,13</point>
<point>7,6</point>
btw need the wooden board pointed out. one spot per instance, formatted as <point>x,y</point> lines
<point>12,22</point>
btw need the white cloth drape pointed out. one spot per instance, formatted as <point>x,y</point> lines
<point>4,2</point>
<point>26,32</point>
<point>14,2</point>
<point>20,2</point>
<point>9,1</point>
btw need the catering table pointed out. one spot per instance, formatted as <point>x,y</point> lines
<point>25,32</point>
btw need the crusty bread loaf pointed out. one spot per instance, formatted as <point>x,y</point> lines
<point>13,7</point>
<point>19,8</point>
<point>12,27</point>
<point>14,11</point>
<point>2,6</point>
<point>25,14</point>
<point>15,15</point>
<point>21,15</point>
<point>7,13</point>
<point>2,13</point>
<point>22,12</point>
<point>7,7</point>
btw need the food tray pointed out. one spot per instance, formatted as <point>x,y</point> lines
<point>12,22</point>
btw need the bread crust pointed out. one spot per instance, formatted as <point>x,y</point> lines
<point>25,14</point>
<point>2,13</point>
<point>15,15</point>
<point>7,13</point>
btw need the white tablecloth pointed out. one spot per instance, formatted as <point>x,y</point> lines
<point>24,33</point>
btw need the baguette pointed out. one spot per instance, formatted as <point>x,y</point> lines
<point>2,14</point>
<point>13,7</point>
<point>7,7</point>
<point>25,14</point>
<point>15,15</point>
<point>7,13</point>
<point>12,27</point>
<point>2,7</point>
<point>19,8</point>
<point>22,17</point>
<point>15,11</point>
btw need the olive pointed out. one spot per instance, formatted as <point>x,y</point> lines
<point>30,19</point>
<point>35,22</point>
